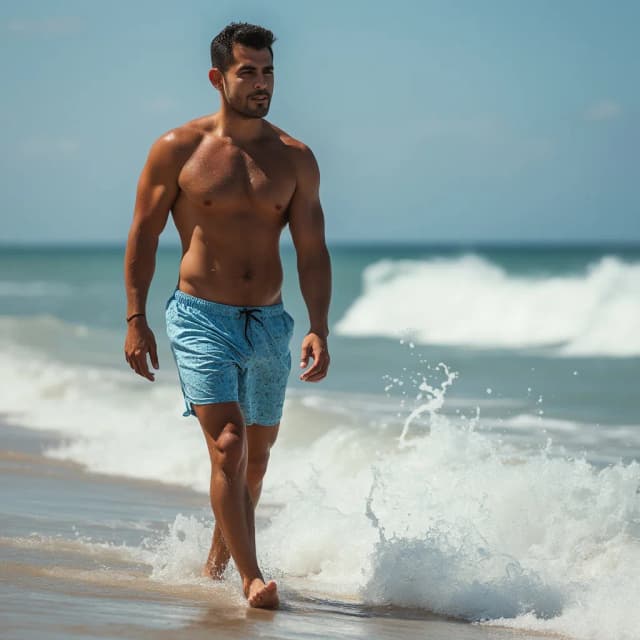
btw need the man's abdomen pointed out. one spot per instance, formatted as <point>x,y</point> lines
<point>235,277</point>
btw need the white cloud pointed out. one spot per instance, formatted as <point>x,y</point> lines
<point>603,110</point>
<point>59,25</point>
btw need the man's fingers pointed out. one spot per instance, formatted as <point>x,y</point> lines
<point>130,361</point>
<point>136,366</point>
<point>323,365</point>
<point>318,369</point>
<point>144,369</point>
<point>137,346</point>
<point>316,376</point>
<point>142,366</point>
<point>153,352</point>
<point>304,356</point>
<point>314,367</point>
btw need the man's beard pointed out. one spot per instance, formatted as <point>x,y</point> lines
<point>246,110</point>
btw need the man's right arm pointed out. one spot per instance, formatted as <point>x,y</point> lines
<point>156,193</point>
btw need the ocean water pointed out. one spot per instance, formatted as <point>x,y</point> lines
<point>473,453</point>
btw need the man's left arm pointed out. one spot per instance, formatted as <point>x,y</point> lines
<point>306,224</point>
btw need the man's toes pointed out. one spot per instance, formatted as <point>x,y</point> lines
<point>265,596</point>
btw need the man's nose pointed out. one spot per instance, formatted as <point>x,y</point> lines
<point>261,82</point>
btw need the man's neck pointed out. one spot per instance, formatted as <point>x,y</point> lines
<point>237,127</point>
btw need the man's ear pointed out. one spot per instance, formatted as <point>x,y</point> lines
<point>215,78</point>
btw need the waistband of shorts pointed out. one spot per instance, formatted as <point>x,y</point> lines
<point>210,306</point>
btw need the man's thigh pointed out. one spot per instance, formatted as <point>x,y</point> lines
<point>215,417</point>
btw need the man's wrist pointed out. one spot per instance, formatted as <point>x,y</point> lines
<point>322,333</point>
<point>135,316</point>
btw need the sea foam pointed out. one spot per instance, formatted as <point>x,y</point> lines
<point>452,522</point>
<point>472,302</point>
<point>429,513</point>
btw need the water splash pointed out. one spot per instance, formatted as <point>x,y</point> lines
<point>433,404</point>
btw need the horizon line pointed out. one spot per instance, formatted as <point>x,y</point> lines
<point>402,243</point>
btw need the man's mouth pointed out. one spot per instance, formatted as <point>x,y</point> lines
<point>261,97</point>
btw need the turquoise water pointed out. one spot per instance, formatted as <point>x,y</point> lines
<point>592,291</point>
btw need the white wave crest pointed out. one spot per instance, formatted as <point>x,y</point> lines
<point>469,301</point>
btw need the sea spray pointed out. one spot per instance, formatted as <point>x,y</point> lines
<point>458,523</point>
<point>462,524</point>
<point>434,403</point>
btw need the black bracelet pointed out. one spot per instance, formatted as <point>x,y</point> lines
<point>135,315</point>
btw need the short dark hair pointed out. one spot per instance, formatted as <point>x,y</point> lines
<point>250,35</point>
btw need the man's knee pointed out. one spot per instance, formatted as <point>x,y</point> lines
<point>256,468</point>
<point>230,449</point>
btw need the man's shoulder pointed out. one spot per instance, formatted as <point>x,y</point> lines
<point>300,153</point>
<point>306,166</point>
<point>181,139</point>
<point>296,147</point>
<point>173,148</point>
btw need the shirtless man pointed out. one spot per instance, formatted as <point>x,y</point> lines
<point>232,181</point>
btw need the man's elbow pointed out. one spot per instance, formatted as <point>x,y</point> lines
<point>143,237</point>
<point>313,258</point>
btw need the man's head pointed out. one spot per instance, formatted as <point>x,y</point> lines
<point>242,68</point>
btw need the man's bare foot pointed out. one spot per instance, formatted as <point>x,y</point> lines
<point>218,558</point>
<point>261,595</point>
<point>215,572</point>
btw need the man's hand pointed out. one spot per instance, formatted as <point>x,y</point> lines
<point>314,346</point>
<point>139,342</point>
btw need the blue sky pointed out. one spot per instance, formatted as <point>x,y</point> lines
<point>431,121</point>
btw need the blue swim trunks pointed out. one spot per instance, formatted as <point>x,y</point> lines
<point>228,353</point>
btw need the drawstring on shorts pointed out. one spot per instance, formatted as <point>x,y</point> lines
<point>249,314</point>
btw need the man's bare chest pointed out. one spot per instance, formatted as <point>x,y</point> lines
<point>228,177</point>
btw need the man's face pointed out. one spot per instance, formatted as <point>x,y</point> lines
<point>247,85</point>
